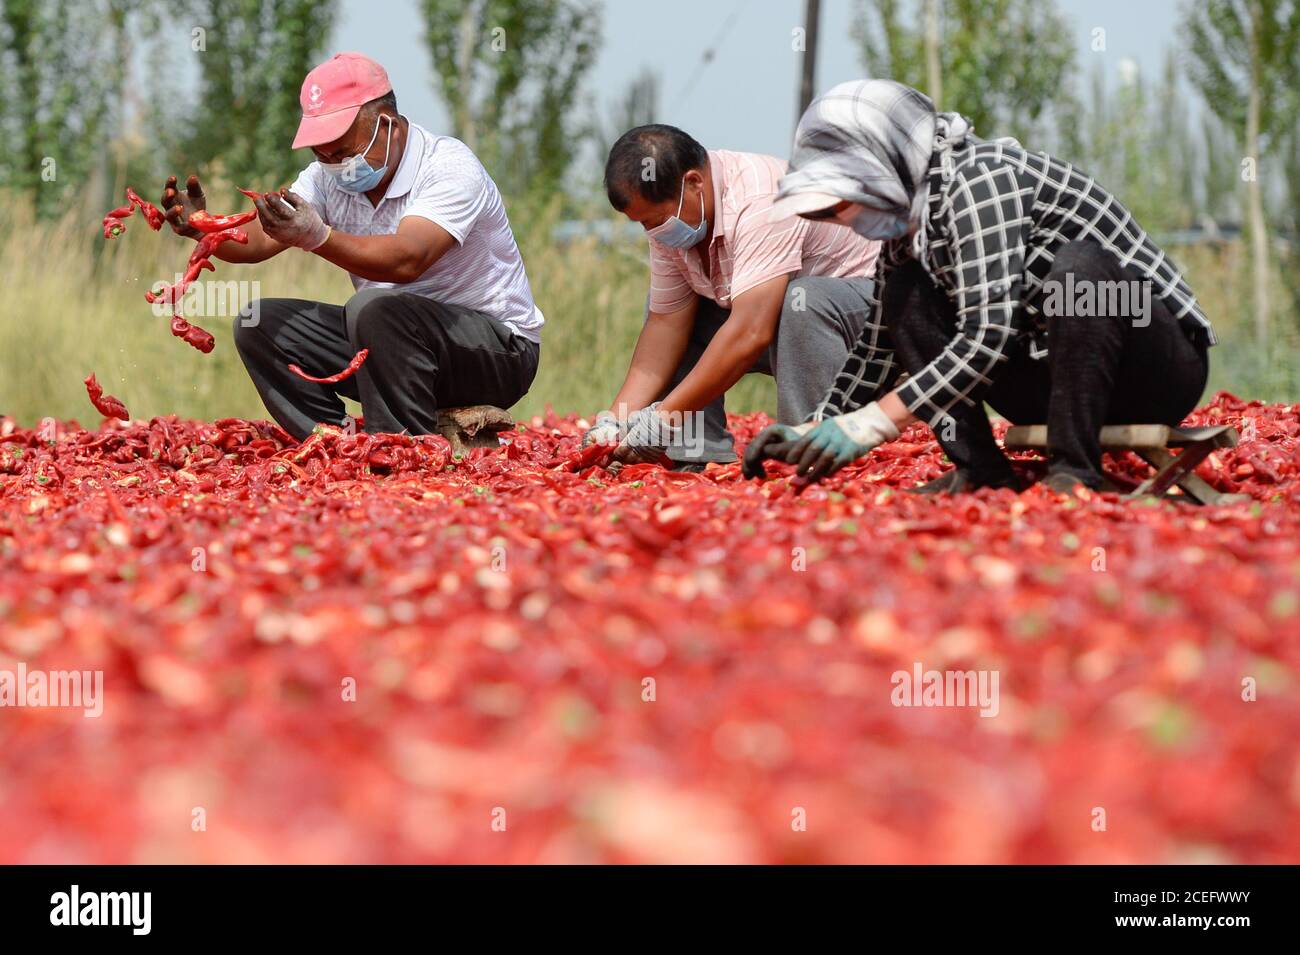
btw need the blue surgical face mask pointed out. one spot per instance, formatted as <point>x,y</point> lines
<point>875,224</point>
<point>354,174</point>
<point>676,233</point>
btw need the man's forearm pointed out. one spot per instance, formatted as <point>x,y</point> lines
<point>730,354</point>
<point>379,258</point>
<point>259,247</point>
<point>659,349</point>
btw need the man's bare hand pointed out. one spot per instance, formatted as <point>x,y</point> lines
<point>177,205</point>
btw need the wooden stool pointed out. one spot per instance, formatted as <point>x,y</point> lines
<point>473,426</point>
<point>1151,442</point>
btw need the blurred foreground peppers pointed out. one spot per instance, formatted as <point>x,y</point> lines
<point>641,666</point>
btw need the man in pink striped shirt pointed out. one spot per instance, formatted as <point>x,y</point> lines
<point>730,293</point>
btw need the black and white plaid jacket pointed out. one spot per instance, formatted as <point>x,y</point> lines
<point>992,230</point>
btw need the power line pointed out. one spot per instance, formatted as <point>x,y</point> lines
<point>709,53</point>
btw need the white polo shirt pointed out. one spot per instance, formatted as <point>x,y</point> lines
<point>440,179</point>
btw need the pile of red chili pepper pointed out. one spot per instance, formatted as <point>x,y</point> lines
<point>363,649</point>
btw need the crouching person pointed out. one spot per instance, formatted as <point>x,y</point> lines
<point>730,293</point>
<point>443,303</point>
<point>1007,277</point>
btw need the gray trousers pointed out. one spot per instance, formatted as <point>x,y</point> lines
<point>424,355</point>
<point>821,319</point>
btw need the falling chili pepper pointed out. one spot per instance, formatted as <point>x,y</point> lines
<point>152,214</point>
<point>192,334</point>
<point>173,293</point>
<point>106,405</point>
<point>357,361</point>
<point>207,245</point>
<point>113,224</point>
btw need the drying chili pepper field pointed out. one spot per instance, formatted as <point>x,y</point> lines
<point>357,649</point>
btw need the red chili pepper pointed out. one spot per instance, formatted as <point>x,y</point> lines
<point>152,214</point>
<point>106,405</point>
<point>208,244</point>
<point>206,222</point>
<point>173,293</point>
<point>590,456</point>
<point>357,361</point>
<point>193,334</point>
<point>509,629</point>
<point>113,224</point>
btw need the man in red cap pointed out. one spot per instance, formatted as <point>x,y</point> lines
<point>442,300</point>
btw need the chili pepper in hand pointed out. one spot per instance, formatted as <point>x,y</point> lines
<point>177,205</point>
<point>207,223</point>
<point>357,361</point>
<point>592,454</point>
<point>106,405</point>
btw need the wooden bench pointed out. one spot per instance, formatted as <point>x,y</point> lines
<point>1152,443</point>
<point>473,426</point>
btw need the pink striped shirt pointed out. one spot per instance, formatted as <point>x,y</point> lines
<point>746,250</point>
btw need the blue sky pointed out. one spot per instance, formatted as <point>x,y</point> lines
<point>746,97</point>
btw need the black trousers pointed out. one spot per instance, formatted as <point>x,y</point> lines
<point>424,355</point>
<point>1139,367</point>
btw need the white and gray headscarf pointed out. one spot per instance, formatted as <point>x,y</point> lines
<point>871,142</point>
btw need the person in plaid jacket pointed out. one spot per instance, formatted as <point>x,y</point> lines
<point>1006,276</point>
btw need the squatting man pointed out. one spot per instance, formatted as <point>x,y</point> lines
<point>442,299</point>
<point>731,292</point>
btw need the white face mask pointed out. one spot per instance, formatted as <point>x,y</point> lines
<point>873,223</point>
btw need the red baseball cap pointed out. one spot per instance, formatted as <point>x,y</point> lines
<point>333,93</point>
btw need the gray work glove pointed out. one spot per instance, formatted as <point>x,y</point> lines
<point>291,219</point>
<point>606,430</point>
<point>647,439</point>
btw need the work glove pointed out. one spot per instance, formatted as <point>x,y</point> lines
<point>606,430</point>
<point>775,442</point>
<point>177,205</point>
<point>647,437</point>
<point>827,447</point>
<point>289,218</point>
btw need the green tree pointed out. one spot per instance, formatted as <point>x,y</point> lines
<point>510,72</point>
<point>1002,63</point>
<point>1243,61</point>
<point>59,70</point>
<point>637,106</point>
<point>253,56</point>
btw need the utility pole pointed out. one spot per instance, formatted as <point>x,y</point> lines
<point>811,14</point>
<point>932,68</point>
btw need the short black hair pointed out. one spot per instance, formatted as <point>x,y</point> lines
<point>672,154</point>
<point>389,100</point>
